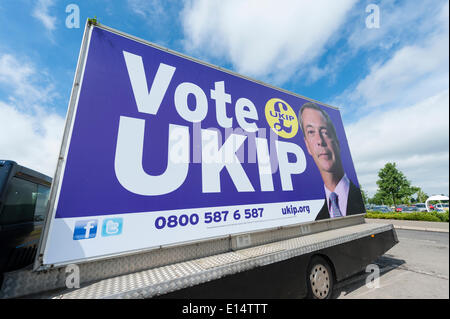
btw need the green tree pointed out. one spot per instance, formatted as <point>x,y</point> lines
<point>407,194</point>
<point>393,184</point>
<point>381,198</point>
<point>421,196</point>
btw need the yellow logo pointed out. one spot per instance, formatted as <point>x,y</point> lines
<point>281,118</point>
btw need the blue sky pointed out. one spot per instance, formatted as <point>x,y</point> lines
<point>391,83</point>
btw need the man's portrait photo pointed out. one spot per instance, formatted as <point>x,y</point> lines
<point>343,197</point>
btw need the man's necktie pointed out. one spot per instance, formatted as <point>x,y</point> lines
<point>334,205</point>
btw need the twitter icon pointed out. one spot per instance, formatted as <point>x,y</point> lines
<point>112,227</point>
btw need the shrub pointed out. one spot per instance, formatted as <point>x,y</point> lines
<point>421,216</point>
<point>443,216</point>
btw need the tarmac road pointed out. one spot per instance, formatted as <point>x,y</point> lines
<point>416,268</point>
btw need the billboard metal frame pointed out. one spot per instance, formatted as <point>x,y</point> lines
<point>72,107</point>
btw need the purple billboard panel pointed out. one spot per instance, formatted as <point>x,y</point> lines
<point>164,149</point>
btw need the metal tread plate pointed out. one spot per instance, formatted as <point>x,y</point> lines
<point>161,280</point>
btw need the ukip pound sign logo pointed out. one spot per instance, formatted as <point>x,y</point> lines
<point>281,118</point>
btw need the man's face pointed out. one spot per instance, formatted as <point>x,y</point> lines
<point>320,142</point>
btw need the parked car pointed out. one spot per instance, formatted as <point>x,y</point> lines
<point>399,209</point>
<point>440,207</point>
<point>421,207</point>
<point>382,209</point>
<point>410,209</point>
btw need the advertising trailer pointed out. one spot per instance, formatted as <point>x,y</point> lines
<point>162,152</point>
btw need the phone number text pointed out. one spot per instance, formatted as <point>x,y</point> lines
<point>208,218</point>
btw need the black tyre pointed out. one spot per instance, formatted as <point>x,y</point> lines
<point>319,279</point>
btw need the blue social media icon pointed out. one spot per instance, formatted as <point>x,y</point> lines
<point>85,229</point>
<point>112,227</point>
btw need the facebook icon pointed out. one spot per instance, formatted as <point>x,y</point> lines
<point>85,229</point>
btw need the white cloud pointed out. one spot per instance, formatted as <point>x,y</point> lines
<point>418,129</point>
<point>41,12</point>
<point>262,38</point>
<point>18,76</point>
<point>146,8</point>
<point>415,69</point>
<point>30,133</point>
<point>415,137</point>
<point>32,140</point>
<point>400,112</point>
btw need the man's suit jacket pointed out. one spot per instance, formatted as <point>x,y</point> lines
<point>355,204</point>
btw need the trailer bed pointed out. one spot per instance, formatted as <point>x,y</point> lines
<point>168,278</point>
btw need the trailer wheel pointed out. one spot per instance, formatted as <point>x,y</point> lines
<point>319,279</point>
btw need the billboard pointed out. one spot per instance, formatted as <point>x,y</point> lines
<point>162,149</point>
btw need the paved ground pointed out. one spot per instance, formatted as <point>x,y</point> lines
<point>413,225</point>
<point>416,268</point>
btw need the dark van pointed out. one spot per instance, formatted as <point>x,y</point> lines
<point>24,195</point>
